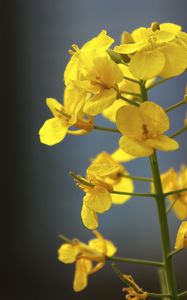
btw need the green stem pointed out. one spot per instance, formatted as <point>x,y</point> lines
<point>106,129</point>
<point>163,282</point>
<point>178,104</point>
<point>131,93</point>
<point>183,294</point>
<point>155,295</point>
<point>178,132</point>
<point>138,178</point>
<point>130,79</point>
<point>65,239</point>
<point>175,192</point>
<point>166,248</point>
<point>174,252</point>
<point>157,83</point>
<point>170,206</point>
<point>129,101</point>
<point>136,261</point>
<point>134,194</point>
<point>143,90</point>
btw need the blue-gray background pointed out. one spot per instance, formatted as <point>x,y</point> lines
<point>41,200</point>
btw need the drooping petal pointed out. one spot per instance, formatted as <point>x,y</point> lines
<point>147,64</point>
<point>181,239</point>
<point>83,266</point>
<point>89,218</point>
<point>175,60</point>
<point>135,148</point>
<point>154,117</point>
<point>98,200</point>
<point>53,131</point>
<point>125,185</point>
<point>67,253</point>
<point>162,142</point>
<point>54,106</point>
<point>121,156</point>
<point>100,102</point>
<point>129,121</point>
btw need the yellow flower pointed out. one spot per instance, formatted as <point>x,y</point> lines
<point>134,292</point>
<point>70,114</point>
<point>84,256</point>
<point>97,199</point>
<point>172,181</point>
<point>155,51</point>
<point>181,240</point>
<point>106,169</point>
<point>99,43</point>
<point>142,128</point>
<point>121,156</point>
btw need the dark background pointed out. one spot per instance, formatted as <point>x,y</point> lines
<point>38,198</point>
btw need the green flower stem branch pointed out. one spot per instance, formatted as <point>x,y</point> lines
<point>183,294</point>
<point>175,192</point>
<point>178,104</point>
<point>157,83</point>
<point>131,79</point>
<point>178,132</point>
<point>106,129</point>
<point>128,100</point>
<point>138,178</point>
<point>135,194</point>
<point>136,261</point>
<point>174,252</point>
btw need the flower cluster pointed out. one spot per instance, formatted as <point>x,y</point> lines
<point>114,82</point>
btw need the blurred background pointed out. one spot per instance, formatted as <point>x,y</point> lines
<point>40,200</point>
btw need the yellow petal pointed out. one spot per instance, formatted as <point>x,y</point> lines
<point>175,60</point>
<point>129,48</point>
<point>154,117</point>
<point>121,156</point>
<point>89,218</point>
<point>135,148</point>
<point>163,143</point>
<point>125,185</point>
<point>54,106</point>
<point>53,131</point>
<point>67,253</point>
<point>180,206</point>
<point>108,71</point>
<point>83,266</point>
<point>98,200</point>
<point>147,64</point>
<point>101,41</point>
<point>164,36</point>
<point>109,248</point>
<point>110,112</point>
<point>129,121</point>
<point>71,70</point>
<point>169,180</point>
<point>171,27</point>
<point>101,169</point>
<point>181,240</point>
<point>100,102</point>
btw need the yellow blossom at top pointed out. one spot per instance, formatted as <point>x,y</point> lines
<point>70,114</point>
<point>142,128</point>
<point>172,181</point>
<point>181,239</point>
<point>99,43</point>
<point>155,51</point>
<point>85,256</point>
<point>105,168</point>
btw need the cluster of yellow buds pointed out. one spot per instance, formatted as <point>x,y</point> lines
<point>114,82</point>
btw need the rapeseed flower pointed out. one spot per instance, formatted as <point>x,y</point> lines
<point>156,51</point>
<point>70,114</point>
<point>181,239</point>
<point>142,128</point>
<point>172,181</point>
<point>85,256</point>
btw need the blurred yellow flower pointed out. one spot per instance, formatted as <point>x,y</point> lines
<point>181,239</point>
<point>84,256</point>
<point>134,292</point>
<point>142,128</point>
<point>156,51</point>
<point>106,169</point>
<point>172,181</point>
<point>70,114</point>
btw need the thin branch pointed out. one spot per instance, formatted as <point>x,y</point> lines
<point>134,194</point>
<point>105,129</point>
<point>175,192</point>
<point>175,252</point>
<point>130,79</point>
<point>178,104</point>
<point>178,132</point>
<point>129,101</point>
<point>171,206</point>
<point>157,83</point>
<point>138,178</point>
<point>136,261</point>
<point>183,294</point>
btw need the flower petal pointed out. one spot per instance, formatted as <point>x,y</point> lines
<point>121,156</point>
<point>175,60</point>
<point>99,199</point>
<point>67,253</point>
<point>129,48</point>
<point>125,185</point>
<point>181,240</point>
<point>53,131</point>
<point>100,102</point>
<point>110,112</point>
<point>154,117</point>
<point>135,148</point>
<point>129,121</point>
<point>83,266</point>
<point>54,106</point>
<point>89,218</point>
<point>163,143</point>
<point>147,64</point>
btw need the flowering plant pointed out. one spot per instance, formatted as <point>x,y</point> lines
<point>115,82</point>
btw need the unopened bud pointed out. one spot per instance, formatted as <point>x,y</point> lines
<point>155,26</point>
<point>126,38</point>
